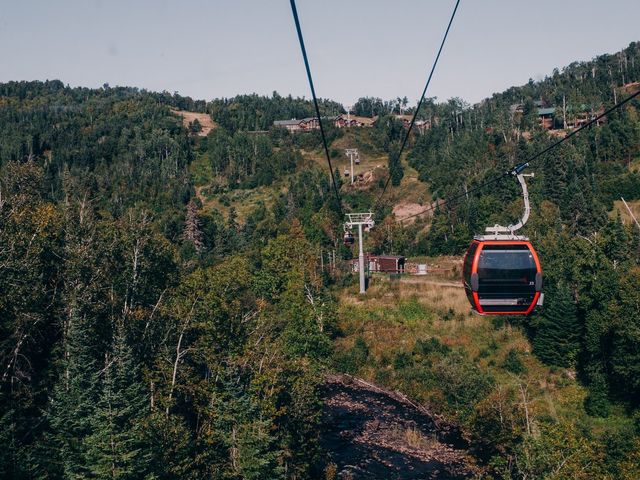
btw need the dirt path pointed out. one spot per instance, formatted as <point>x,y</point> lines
<point>371,433</point>
<point>441,283</point>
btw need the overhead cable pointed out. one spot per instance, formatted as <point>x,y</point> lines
<point>455,198</point>
<point>294,11</point>
<point>424,91</point>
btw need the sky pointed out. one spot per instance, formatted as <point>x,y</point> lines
<point>382,48</point>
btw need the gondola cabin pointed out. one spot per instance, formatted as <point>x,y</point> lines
<point>348,239</point>
<point>502,277</point>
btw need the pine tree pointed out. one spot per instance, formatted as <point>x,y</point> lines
<point>338,178</point>
<point>84,334</point>
<point>395,167</point>
<point>616,241</point>
<point>195,126</point>
<point>170,446</point>
<point>114,448</point>
<point>597,402</point>
<point>236,439</point>
<point>625,355</point>
<point>73,400</point>
<point>557,329</point>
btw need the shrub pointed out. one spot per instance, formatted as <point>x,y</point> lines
<point>351,360</point>
<point>512,362</point>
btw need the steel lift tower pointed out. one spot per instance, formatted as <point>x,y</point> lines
<point>364,221</point>
<point>351,153</point>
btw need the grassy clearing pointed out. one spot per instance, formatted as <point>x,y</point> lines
<point>369,161</point>
<point>634,205</point>
<point>244,201</point>
<point>372,159</point>
<point>360,138</point>
<point>204,118</point>
<point>410,190</point>
<point>419,336</point>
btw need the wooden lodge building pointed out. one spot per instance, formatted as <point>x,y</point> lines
<point>311,123</point>
<point>346,120</point>
<point>553,118</point>
<point>546,117</point>
<point>295,125</point>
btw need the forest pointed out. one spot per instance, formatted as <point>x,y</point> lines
<point>154,325</point>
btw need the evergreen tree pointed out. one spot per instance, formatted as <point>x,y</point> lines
<point>395,167</point>
<point>557,328</point>
<point>616,242</point>
<point>114,448</point>
<point>597,401</point>
<point>170,445</point>
<point>73,401</point>
<point>625,355</point>
<point>84,333</point>
<point>195,126</point>
<point>239,440</point>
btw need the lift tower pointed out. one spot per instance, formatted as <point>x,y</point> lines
<point>351,153</point>
<point>360,220</point>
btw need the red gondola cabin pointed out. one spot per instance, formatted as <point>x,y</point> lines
<point>502,277</point>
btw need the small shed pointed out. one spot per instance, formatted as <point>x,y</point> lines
<point>381,263</point>
<point>387,263</point>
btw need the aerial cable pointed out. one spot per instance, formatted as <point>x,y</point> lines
<point>294,11</point>
<point>415,114</point>
<point>521,166</point>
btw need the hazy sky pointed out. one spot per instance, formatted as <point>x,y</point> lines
<point>219,48</point>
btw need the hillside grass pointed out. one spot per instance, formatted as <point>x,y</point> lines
<point>382,331</point>
<point>243,200</point>
<point>372,160</point>
<point>618,206</point>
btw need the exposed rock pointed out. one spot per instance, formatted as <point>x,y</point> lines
<point>373,433</point>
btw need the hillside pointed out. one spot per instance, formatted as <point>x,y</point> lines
<point>178,306</point>
<point>373,433</point>
<point>416,336</point>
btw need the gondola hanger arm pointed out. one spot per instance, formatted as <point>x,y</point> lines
<point>509,231</point>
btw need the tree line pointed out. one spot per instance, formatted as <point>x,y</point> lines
<point>145,336</point>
